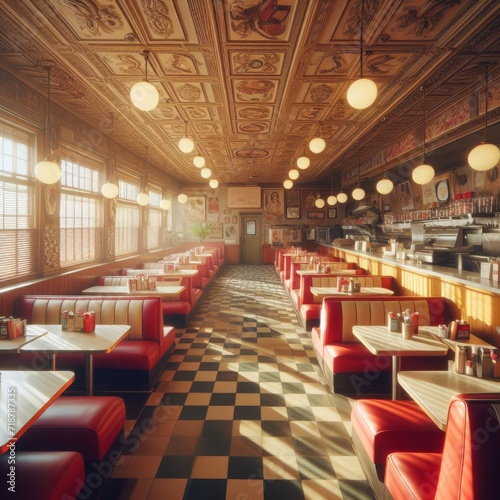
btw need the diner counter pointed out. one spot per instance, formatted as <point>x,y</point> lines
<point>476,298</point>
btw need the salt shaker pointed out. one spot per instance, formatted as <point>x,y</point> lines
<point>460,359</point>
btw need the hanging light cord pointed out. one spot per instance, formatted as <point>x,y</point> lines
<point>423,104</point>
<point>486,95</point>
<point>385,146</point>
<point>146,58</point>
<point>361,37</point>
<point>47,120</point>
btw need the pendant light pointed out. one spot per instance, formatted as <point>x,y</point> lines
<point>317,145</point>
<point>341,197</point>
<point>385,185</point>
<point>213,183</point>
<point>109,189</point>
<point>486,155</point>
<point>48,171</point>
<point>287,184</point>
<point>358,193</point>
<point>182,198</point>
<point>423,174</point>
<point>143,196</point>
<point>186,145</point>
<point>303,162</point>
<point>332,199</point>
<point>165,203</point>
<point>206,173</point>
<point>293,174</point>
<point>319,203</point>
<point>144,95</point>
<point>199,161</point>
<point>362,93</point>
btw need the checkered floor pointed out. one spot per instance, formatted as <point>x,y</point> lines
<point>241,410</point>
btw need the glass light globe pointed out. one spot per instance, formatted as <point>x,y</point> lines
<point>293,174</point>
<point>331,200</point>
<point>423,174</point>
<point>144,96</point>
<point>303,162</point>
<point>206,172</point>
<point>165,204</point>
<point>48,172</point>
<point>319,203</point>
<point>385,186</point>
<point>484,157</point>
<point>341,197</point>
<point>143,199</point>
<point>109,190</point>
<point>362,93</point>
<point>199,161</point>
<point>317,145</point>
<point>186,145</point>
<point>287,184</point>
<point>182,198</point>
<point>213,183</point>
<point>358,193</point>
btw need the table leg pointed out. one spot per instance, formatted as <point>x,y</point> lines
<point>396,360</point>
<point>89,375</point>
<point>52,361</point>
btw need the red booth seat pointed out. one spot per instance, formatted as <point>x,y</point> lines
<point>467,469</point>
<point>137,361</point>
<point>86,424</point>
<point>381,427</point>
<point>51,475</point>
<point>347,364</point>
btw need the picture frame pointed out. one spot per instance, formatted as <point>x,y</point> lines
<point>315,215</point>
<point>196,208</point>
<point>332,213</point>
<point>273,201</point>
<point>244,197</point>
<point>215,230</point>
<point>293,204</point>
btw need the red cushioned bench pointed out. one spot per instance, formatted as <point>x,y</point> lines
<point>381,427</point>
<point>134,364</point>
<point>468,466</point>
<point>347,364</point>
<point>48,475</point>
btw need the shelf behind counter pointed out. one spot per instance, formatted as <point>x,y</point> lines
<point>477,299</point>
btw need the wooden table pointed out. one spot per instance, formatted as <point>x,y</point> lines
<point>9,346</point>
<point>161,291</point>
<point>24,396</point>
<point>103,340</point>
<point>380,342</point>
<point>433,390</point>
<point>322,292</point>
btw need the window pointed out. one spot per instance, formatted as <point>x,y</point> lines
<point>18,232</point>
<point>80,213</point>
<point>127,219</point>
<point>154,220</point>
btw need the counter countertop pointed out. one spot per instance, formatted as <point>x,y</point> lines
<point>466,277</point>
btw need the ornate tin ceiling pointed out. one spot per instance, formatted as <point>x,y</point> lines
<point>252,81</point>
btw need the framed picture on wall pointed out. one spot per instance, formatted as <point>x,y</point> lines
<point>273,201</point>
<point>332,213</point>
<point>315,215</point>
<point>293,204</point>
<point>196,208</point>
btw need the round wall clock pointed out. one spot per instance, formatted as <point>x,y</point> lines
<point>443,191</point>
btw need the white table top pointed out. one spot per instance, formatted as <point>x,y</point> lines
<point>11,346</point>
<point>365,290</point>
<point>162,291</point>
<point>474,342</point>
<point>24,396</point>
<point>104,339</point>
<point>161,272</point>
<point>433,390</point>
<point>304,272</point>
<point>379,341</point>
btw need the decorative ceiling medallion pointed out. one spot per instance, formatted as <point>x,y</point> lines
<point>266,63</point>
<point>251,153</point>
<point>253,128</point>
<point>259,20</point>
<point>254,112</point>
<point>255,90</point>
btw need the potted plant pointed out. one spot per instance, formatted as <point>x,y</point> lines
<point>202,231</point>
